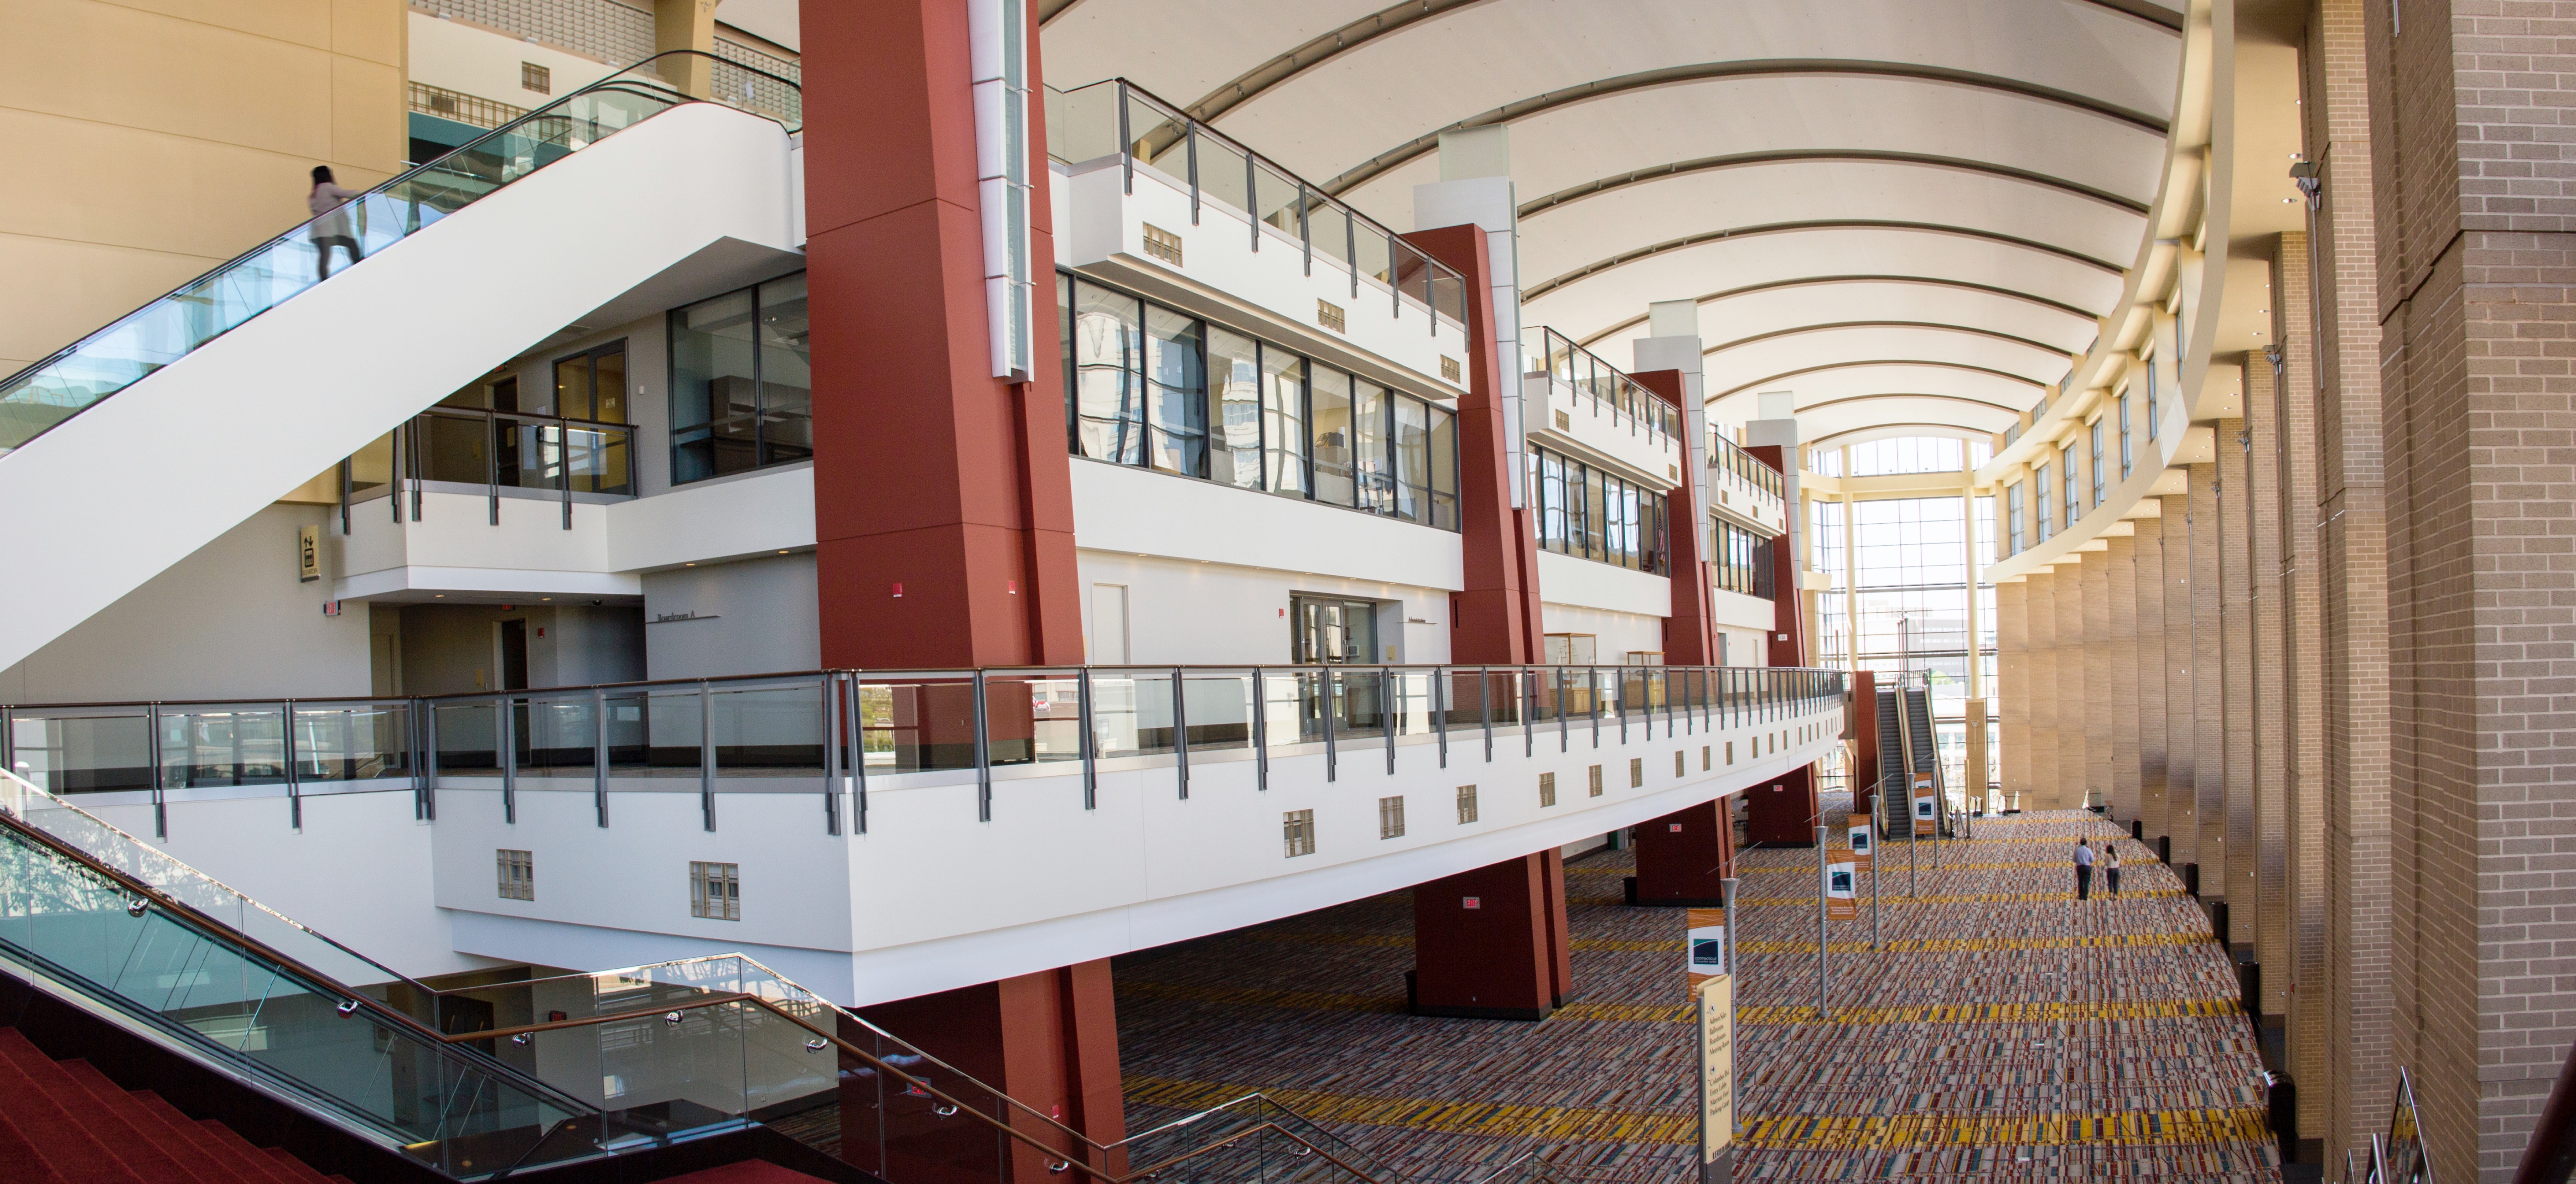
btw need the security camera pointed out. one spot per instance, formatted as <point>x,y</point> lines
<point>596,602</point>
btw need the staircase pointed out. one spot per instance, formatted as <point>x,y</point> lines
<point>64,1122</point>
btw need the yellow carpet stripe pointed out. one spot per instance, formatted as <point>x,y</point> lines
<point>1680,1013</point>
<point>1569,1123</point>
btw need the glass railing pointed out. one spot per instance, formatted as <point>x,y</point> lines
<point>1588,378</point>
<point>35,399</point>
<point>1117,118</point>
<point>182,955</point>
<point>489,451</point>
<point>840,728</point>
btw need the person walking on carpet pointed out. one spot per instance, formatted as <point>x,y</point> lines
<point>2111,867</point>
<point>2083,870</point>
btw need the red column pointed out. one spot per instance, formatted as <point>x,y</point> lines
<point>1788,624</point>
<point>943,501</point>
<point>1048,1040</point>
<point>1491,943</point>
<point>1497,615</point>
<point>1864,717</point>
<point>1690,631</point>
<point>1683,856</point>
<point>1782,812</point>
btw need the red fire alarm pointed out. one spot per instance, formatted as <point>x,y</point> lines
<point>1677,828</point>
<point>1472,902</point>
<point>1015,587</point>
<point>898,591</point>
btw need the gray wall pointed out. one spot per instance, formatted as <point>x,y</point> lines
<point>451,649</point>
<point>765,618</point>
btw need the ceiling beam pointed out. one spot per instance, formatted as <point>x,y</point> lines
<point>1851,363</point>
<point>1625,258</point>
<point>1564,197</point>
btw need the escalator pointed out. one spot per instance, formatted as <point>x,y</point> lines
<point>1923,752</point>
<point>1892,807</point>
<point>147,439</point>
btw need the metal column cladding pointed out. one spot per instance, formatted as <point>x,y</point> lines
<point>997,35</point>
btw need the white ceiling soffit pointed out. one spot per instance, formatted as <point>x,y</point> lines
<point>1942,193</point>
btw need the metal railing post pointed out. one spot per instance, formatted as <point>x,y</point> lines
<point>983,746</point>
<point>1260,732</point>
<point>1564,739</point>
<point>1090,746</point>
<point>1190,128</point>
<point>599,754</point>
<point>1485,707</point>
<point>1439,710</point>
<point>1180,733</point>
<point>1529,704</point>
<point>1126,144</point>
<point>505,743</point>
<point>1332,759</point>
<point>1386,715</point>
<point>828,689</point>
<point>286,742</point>
<point>1592,703</point>
<point>160,806</point>
<point>425,802</point>
<point>706,756</point>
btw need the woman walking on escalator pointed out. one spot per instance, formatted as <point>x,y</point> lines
<point>330,206</point>
<point>2111,867</point>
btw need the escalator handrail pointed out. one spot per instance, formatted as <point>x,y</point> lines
<point>224,932</point>
<point>616,80</point>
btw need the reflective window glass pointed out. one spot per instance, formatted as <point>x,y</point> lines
<point>1371,459</point>
<point>1283,420</point>
<point>1176,391</point>
<point>1444,469</point>
<point>1108,336</point>
<point>1234,387</point>
<point>1329,397</point>
<point>714,398</point>
<point>786,373</point>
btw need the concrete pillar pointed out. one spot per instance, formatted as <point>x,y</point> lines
<point>2236,581</point>
<point>1975,710</point>
<point>2042,774</point>
<point>1690,631</point>
<point>686,24</point>
<point>1866,769</point>
<point>1048,1039</point>
<point>2147,612</point>
<point>2120,695</point>
<point>1498,611</point>
<point>943,497</point>
<point>1782,812</point>
<point>2352,548</point>
<point>2101,674</point>
<point>2213,735</point>
<point>2181,664</point>
<point>2012,682</point>
<point>2270,670</point>
<point>1491,943</point>
<point>2074,676</point>
<point>2303,675</point>
<point>1683,856</point>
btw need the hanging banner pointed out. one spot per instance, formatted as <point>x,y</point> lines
<point>1839,902</point>
<point>1717,1080</point>
<point>308,554</point>
<point>1860,845</point>
<point>1706,944</point>
<point>1924,817</point>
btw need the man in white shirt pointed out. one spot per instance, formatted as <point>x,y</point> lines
<point>2083,870</point>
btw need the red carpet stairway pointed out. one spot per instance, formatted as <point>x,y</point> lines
<point>63,1121</point>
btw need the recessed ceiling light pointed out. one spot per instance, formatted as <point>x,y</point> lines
<point>688,565</point>
<point>782,550</point>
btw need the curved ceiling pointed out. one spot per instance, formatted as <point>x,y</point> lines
<point>1903,211</point>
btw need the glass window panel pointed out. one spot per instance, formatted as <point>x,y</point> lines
<point>1632,549</point>
<point>1412,459</point>
<point>1176,390</point>
<point>1331,226</point>
<point>2074,494</point>
<point>1108,336</point>
<point>572,387</point>
<point>1234,382</point>
<point>1161,140</point>
<point>1444,469</point>
<point>1064,355</point>
<point>1596,524</point>
<point>1283,420</point>
<point>713,403</point>
<point>1375,261</point>
<point>1552,507</point>
<point>1330,399</point>
<point>1371,461</point>
<point>786,373</point>
<point>1275,198</point>
<point>609,390</point>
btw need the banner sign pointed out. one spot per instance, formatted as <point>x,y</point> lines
<point>1924,817</point>
<point>1706,945</point>
<point>1839,902</point>
<point>1717,1080</point>
<point>308,554</point>
<point>1860,845</point>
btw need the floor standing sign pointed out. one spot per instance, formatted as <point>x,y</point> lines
<point>1923,815</point>
<point>1716,1080</point>
<point>1860,846</point>
<point>1841,901</point>
<point>1707,942</point>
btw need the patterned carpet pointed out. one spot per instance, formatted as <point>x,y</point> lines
<point>2004,1033</point>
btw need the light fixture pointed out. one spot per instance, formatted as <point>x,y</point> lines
<point>782,550</point>
<point>672,1018</point>
<point>349,1008</point>
<point>688,565</point>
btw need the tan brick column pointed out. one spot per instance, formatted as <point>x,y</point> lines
<point>2302,670</point>
<point>2120,694</point>
<point>2012,683</point>
<point>2352,548</point>
<point>2074,675</point>
<point>2181,668</point>
<point>2147,605</point>
<point>2101,673</point>
<point>2271,687</point>
<point>2042,775</point>
<point>2232,876</point>
<point>2209,678</point>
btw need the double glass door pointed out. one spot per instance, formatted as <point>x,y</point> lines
<point>1335,632</point>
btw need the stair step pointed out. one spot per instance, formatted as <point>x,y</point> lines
<point>270,1172</point>
<point>184,1148</point>
<point>295,1169</point>
<point>243,1168</point>
<point>36,1087</point>
<point>149,1155</point>
<point>19,1158</point>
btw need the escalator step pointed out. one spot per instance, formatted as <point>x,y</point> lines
<point>219,1158</point>
<point>187,1156</point>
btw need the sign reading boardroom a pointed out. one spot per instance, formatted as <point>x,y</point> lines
<point>308,554</point>
<point>1717,1080</point>
<point>1861,848</point>
<point>1706,946</point>
<point>1924,816</point>
<point>1840,905</point>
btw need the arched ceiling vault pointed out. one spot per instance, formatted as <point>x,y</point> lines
<point>1904,211</point>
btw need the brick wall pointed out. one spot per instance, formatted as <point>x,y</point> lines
<point>2233,874</point>
<point>2210,730</point>
<point>2154,731</point>
<point>2303,786</point>
<point>2012,678</point>
<point>2075,675</point>
<point>2045,700</point>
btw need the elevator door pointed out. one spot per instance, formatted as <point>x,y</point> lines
<point>1334,632</point>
